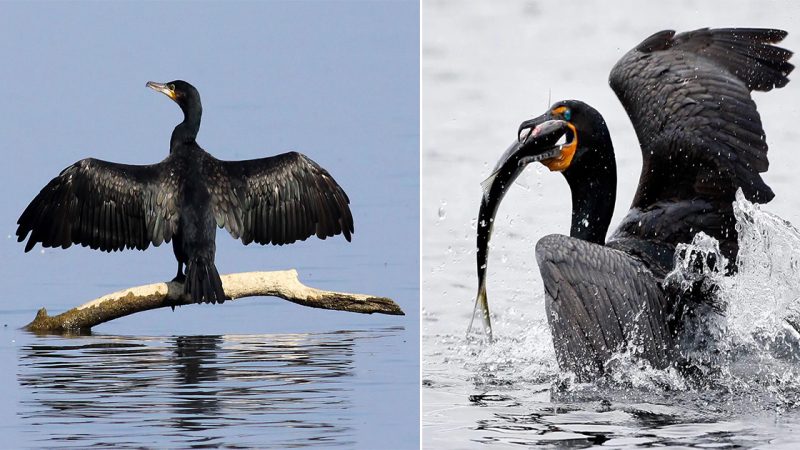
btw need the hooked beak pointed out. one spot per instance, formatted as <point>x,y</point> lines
<point>540,140</point>
<point>163,88</point>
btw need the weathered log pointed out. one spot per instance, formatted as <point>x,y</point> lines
<point>284,284</point>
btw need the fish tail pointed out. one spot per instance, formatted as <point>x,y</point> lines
<point>482,309</point>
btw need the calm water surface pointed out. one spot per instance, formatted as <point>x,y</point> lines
<point>337,81</point>
<point>201,391</point>
<point>486,68</point>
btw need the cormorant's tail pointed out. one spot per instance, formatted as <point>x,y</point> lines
<point>203,283</point>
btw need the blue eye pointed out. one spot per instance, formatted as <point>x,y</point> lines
<point>567,115</point>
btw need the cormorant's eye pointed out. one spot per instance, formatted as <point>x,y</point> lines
<point>567,114</point>
<point>172,88</point>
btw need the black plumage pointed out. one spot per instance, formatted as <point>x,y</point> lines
<point>599,300</point>
<point>110,206</point>
<point>688,97</point>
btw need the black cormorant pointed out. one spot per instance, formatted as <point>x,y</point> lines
<point>183,199</point>
<point>688,96</point>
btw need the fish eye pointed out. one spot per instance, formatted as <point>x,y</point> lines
<point>567,114</point>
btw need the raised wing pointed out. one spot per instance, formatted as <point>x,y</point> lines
<point>104,206</point>
<point>600,301</point>
<point>279,200</point>
<point>688,96</point>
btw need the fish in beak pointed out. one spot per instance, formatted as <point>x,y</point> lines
<point>549,141</point>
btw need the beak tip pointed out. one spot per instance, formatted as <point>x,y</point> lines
<point>524,134</point>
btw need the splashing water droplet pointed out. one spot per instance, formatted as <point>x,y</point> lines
<point>765,292</point>
<point>442,210</point>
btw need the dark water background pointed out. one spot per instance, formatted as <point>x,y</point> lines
<point>487,66</point>
<point>336,81</point>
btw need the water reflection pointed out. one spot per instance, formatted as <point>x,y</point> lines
<point>288,390</point>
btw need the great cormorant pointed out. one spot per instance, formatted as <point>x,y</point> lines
<point>184,198</point>
<point>688,96</point>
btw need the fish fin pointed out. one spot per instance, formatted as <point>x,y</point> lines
<point>482,309</point>
<point>486,185</point>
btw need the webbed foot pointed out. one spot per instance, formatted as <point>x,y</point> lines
<point>180,278</point>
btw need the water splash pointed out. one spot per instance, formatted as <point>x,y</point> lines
<point>765,293</point>
<point>746,341</point>
<point>698,265</point>
<point>628,369</point>
<point>523,354</point>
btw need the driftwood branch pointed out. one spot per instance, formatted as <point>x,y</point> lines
<point>283,284</point>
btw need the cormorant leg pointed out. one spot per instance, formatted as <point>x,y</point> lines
<point>180,277</point>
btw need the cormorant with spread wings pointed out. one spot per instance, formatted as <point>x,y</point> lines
<point>183,199</point>
<point>688,96</point>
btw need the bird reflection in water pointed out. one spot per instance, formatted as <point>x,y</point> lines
<point>195,358</point>
<point>192,389</point>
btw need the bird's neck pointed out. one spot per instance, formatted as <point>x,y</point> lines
<point>186,131</point>
<point>594,192</point>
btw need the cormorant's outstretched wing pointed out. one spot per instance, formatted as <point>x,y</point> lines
<point>600,301</point>
<point>278,200</point>
<point>104,206</point>
<point>688,96</point>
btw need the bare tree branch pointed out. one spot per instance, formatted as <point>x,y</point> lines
<point>283,284</point>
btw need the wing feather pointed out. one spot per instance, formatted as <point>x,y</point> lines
<point>104,206</point>
<point>279,200</point>
<point>600,301</point>
<point>688,96</point>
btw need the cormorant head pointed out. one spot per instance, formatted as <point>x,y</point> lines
<point>183,93</point>
<point>583,138</point>
<point>571,138</point>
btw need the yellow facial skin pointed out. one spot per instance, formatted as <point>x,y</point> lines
<point>562,161</point>
<point>163,88</point>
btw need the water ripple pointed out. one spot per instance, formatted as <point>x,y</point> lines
<point>280,391</point>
